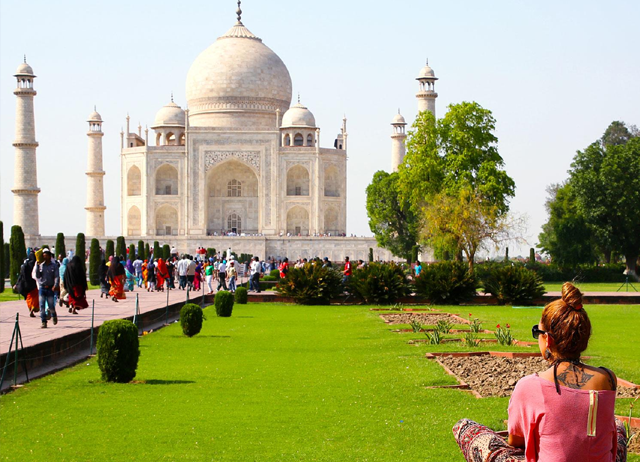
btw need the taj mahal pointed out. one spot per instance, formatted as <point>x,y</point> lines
<point>239,167</point>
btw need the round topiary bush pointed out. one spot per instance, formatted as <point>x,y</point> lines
<point>241,295</point>
<point>224,303</point>
<point>118,350</point>
<point>191,318</point>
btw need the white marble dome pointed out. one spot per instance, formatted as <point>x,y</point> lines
<point>398,120</point>
<point>94,117</point>
<point>298,116</point>
<point>427,73</point>
<point>24,69</point>
<point>170,115</point>
<point>237,73</point>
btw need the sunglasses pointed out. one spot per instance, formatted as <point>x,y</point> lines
<point>535,331</point>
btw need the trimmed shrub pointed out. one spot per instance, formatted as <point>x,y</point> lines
<point>211,252</point>
<point>121,247</point>
<point>147,251</point>
<point>224,303</point>
<point>191,317</point>
<point>94,261</point>
<point>268,278</point>
<point>118,350</point>
<point>141,254</point>
<point>166,252</point>
<point>7,259</point>
<point>132,252</point>
<point>513,284</point>
<point>109,249</point>
<point>2,257</point>
<point>157,251</point>
<point>81,250</point>
<point>532,255</point>
<point>379,283</point>
<point>446,283</point>
<point>311,285</point>
<point>61,248</point>
<point>18,253</point>
<point>275,273</point>
<point>241,295</point>
<point>370,254</point>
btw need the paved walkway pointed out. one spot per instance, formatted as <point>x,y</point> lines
<point>68,323</point>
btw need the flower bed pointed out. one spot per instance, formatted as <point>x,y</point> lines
<point>423,318</point>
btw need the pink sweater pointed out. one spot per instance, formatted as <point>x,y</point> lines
<point>556,427</point>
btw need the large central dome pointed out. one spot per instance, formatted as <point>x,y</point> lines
<point>237,81</point>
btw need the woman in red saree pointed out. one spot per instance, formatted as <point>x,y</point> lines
<point>75,283</point>
<point>197,277</point>
<point>161,274</point>
<point>117,279</point>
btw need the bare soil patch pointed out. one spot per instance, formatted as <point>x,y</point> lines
<point>497,376</point>
<point>422,318</point>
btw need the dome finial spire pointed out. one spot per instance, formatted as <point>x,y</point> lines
<point>239,12</point>
<point>298,97</point>
<point>172,97</point>
<point>25,58</point>
<point>94,107</point>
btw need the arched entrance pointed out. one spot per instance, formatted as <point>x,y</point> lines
<point>298,221</point>
<point>232,190</point>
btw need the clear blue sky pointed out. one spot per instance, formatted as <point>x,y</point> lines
<point>555,74</point>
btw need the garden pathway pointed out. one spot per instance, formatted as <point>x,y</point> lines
<point>105,309</point>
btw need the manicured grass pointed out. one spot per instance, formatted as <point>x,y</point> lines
<point>276,382</point>
<point>593,286</point>
<point>9,296</point>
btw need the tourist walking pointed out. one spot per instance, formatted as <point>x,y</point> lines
<point>151,276</point>
<point>27,285</point>
<point>183,266</point>
<point>171,271</point>
<point>117,276</point>
<point>284,268</point>
<point>197,277</point>
<point>137,267</point>
<point>208,275</point>
<point>162,274</point>
<point>232,274</point>
<point>347,272</point>
<point>191,273</point>
<point>64,296</point>
<point>103,270</point>
<point>222,275</point>
<point>48,277</point>
<point>254,282</point>
<point>75,282</point>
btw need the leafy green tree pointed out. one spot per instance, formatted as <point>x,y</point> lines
<point>61,248</point>
<point>121,247</point>
<point>18,252</point>
<point>81,249</point>
<point>618,133</point>
<point>109,249</point>
<point>141,253</point>
<point>2,257</point>
<point>566,235</point>
<point>456,159</point>
<point>606,182</point>
<point>95,256</point>
<point>391,219</point>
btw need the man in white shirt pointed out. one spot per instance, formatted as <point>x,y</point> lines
<point>222,275</point>
<point>191,272</point>
<point>183,266</point>
<point>256,268</point>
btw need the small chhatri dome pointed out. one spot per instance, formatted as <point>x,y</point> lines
<point>427,73</point>
<point>298,116</point>
<point>170,115</point>
<point>398,120</point>
<point>24,69</point>
<point>94,117</point>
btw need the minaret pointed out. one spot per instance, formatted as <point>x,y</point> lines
<point>95,189</point>
<point>398,137</point>
<point>25,190</point>
<point>427,94</point>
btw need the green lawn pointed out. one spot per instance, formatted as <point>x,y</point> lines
<point>592,286</point>
<point>278,382</point>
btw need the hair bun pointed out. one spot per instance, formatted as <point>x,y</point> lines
<point>572,296</point>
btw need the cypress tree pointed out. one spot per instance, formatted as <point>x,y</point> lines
<point>18,253</point>
<point>370,254</point>
<point>81,250</point>
<point>61,248</point>
<point>156,250</point>
<point>506,255</point>
<point>141,254</point>
<point>109,249</point>
<point>147,251</point>
<point>2,256</point>
<point>166,252</point>
<point>132,251</point>
<point>94,261</point>
<point>532,255</point>
<point>121,248</point>
<point>7,259</point>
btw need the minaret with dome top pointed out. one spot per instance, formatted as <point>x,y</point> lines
<point>398,138</point>
<point>95,178</point>
<point>427,94</point>
<point>25,190</point>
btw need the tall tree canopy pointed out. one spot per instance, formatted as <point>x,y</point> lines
<point>391,219</point>
<point>566,236</point>
<point>451,161</point>
<point>606,181</point>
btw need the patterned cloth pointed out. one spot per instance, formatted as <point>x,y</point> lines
<point>481,444</point>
